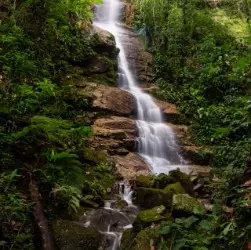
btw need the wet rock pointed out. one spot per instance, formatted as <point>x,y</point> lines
<point>70,235</point>
<point>146,217</point>
<point>102,219</point>
<point>184,204</point>
<point>170,112</point>
<point>139,60</point>
<point>130,165</point>
<point>175,188</point>
<point>144,181</point>
<point>181,133</point>
<point>151,197</point>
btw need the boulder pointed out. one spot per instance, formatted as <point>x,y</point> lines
<point>184,204</point>
<point>151,197</point>
<point>145,239</point>
<point>130,165</point>
<point>103,41</point>
<point>146,217</point>
<point>108,99</point>
<point>162,180</point>
<point>144,181</point>
<point>175,188</point>
<point>70,235</point>
<point>114,100</point>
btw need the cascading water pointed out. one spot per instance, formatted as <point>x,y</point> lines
<point>117,215</point>
<point>156,141</point>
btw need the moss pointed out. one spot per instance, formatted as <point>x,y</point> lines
<point>144,181</point>
<point>144,239</point>
<point>72,236</point>
<point>146,217</point>
<point>95,156</point>
<point>175,188</point>
<point>162,180</point>
<point>151,197</point>
<point>183,205</point>
<point>127,239</point>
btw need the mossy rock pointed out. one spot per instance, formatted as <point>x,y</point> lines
<point>184,204</point>
<point>95,156</point>
<point>146,217</point>
<point>127,239</point>
<point>152,197</point>
<point>144,181</point>
<point>162,180</point>
<point>71,236</point>
<point>145,239</point>
<point>175,188</point>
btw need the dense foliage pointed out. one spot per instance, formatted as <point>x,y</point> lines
<point>202,63</point>
<point>42,43</point>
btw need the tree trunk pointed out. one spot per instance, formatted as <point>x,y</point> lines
<point>40,219</point>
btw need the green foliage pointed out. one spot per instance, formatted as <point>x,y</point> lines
<point>201,234</point>
<point>202,63</point>
<point>14,214</point>
<point>44,46</point>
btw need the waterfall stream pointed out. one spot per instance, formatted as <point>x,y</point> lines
<point>156,141</point>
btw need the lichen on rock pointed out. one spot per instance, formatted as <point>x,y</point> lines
<point>145,218</point>
<point>184,204</point>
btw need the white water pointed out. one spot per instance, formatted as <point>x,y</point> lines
<point>156,141</point>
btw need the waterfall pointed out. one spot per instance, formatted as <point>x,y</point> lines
<point>156,141</point>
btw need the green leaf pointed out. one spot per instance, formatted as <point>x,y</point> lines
<point>165,230</point>
<point>179,244</point>
<point>206,225</point>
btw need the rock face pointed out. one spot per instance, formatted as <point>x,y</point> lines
<point>140,61</point>
<point>130,165</point>
<point>104,41</point>
<point>110,99</point>
<point>114,100</point>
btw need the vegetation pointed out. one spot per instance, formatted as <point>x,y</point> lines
<point>43,152</point>
<point>202,63</point>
